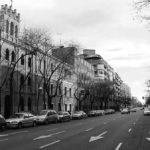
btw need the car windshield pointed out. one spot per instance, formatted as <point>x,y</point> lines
<point>43,112</point>
<point>17,116</point>
<point>78,112</point>
<point>60,113</point>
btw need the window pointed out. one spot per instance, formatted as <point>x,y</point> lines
<point>7,26</point>
<point>59,106</point>
<point>7,54</point>
<point>29,62</point>
<point>16,31</point>
<point>13,56</point>
<point>12,28</point>
<point>70,92</point>
<point>65,91</point>
<point>96,73</point>
<point>59,90</point>
<point>22,59</point>
<point>65,107</point>
<point>29,81</point>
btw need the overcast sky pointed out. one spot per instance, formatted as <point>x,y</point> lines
<point>108,26</point>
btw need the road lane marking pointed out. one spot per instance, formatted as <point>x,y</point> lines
<point>118,147</point>
<point>52,129</point>
<point>129,130</point>
<point>49,144</point>
<point>47,136</point>
<point>134,123</point>
<point>148,139</point>
<point>94,138</point>
<point>2,135</point>
<point>105,122</point>
<point>3,140</point>
<point>89,129</point>
<point>13,133</point>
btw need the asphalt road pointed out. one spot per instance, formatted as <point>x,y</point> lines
<point>110,132</point>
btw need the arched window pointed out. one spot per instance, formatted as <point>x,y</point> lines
<point>7,26</point>
<point>29,62</point>
<point>29,81</point>
<point>16,31</point>
<point>13,56</point>
<point>12,28</point>
<point>22,59</point>
<point>7,54</point>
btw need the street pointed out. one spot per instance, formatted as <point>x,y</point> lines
<point>109,132</point>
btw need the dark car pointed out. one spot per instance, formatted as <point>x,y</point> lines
<point>109,111</point>
<point>47,116</point>
<point>92,113</point>
<point>64,116</point>
<point>79,115</point>
<point>2,123</point>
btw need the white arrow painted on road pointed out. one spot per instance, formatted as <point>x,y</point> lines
<point>94,138</point>
<point>148,139</point>
<point>47,136</point>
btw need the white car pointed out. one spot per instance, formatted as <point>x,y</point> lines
<point>147,111</point>
<point>21,119</point>
<point>125,111</point>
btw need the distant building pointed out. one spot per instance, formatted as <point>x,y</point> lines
<point>102,70</point>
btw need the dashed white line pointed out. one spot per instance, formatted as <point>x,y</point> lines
<point>105,122</point>
<point>2,135</point>
<point>129,130</point>
<point>134,123</point>
<point>118,147</point>
<point>3,140</point>
<point>13,133</point>
<point>52,129</point>
<point>89,129</point>
<point>47,136</point>
<point>49,144</point>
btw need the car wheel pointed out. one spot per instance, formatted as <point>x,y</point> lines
<point>46,122</point>
<point>56,121</point>
<point>3,128</point>
<point>19,125</point>
<point>34,123</point>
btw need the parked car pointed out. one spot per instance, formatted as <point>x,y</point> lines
<point>47,116</point>
<point>146,111</point>
<point>64,116</point>
<point>109,111</point>
<point>21,119</point>
<point>92,113</point>
<point>133,109</point>
<point>2,123</point>
<point>100,112</point>
<point>125,111</point>
<point>79,115</point>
